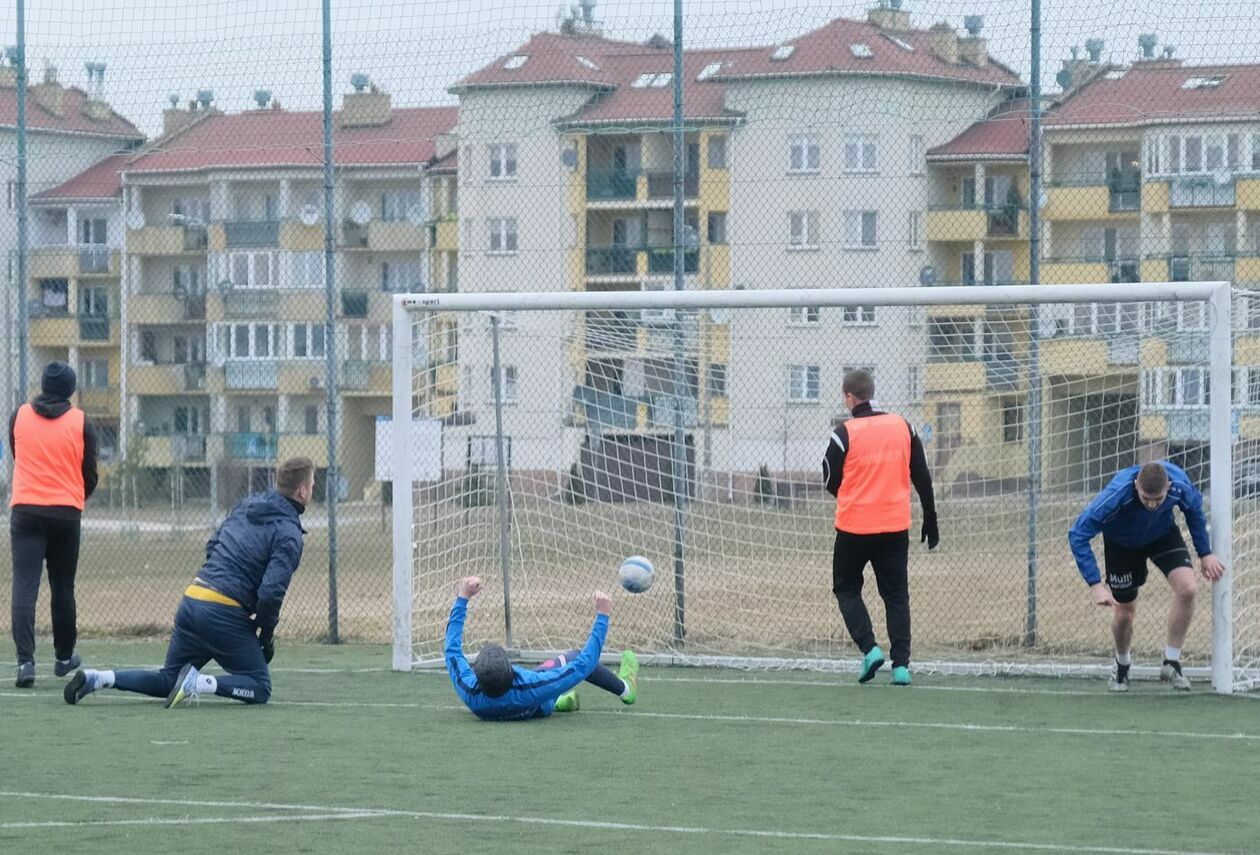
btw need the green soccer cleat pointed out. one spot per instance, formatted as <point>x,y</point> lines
<point>901,676</point>
<point>185,688</point>
<point>871,663</point>
<point>629,674</point>
<point>568,702</point>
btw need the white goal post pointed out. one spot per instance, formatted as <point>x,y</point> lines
<point>439,532</point>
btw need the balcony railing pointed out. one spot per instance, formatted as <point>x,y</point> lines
<point>661,260</point>
<point>606,410</point>
<point>194,376</point>
<point>94,327</point>
<point>1200,267</point>
<point>196,238</point>
<point>1003,221</point>
<point>605,260</point>
<point>611,184</point>
<point>39,309</point>
<point>248,374</point>
<point>661,185</point>
<point>354,304</point>
<point>250,303</point>
<point>188,447</point>
<point>251,446</point>
<point>94,259</point>
<point>1125,195</point>
<point>195,307</point>
<point>1202,192</point>
<point>356,375</point>
<point>251,233</point>
<point>667,411</point>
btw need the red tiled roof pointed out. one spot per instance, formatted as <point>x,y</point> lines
<point>552,58</point>
<point>101,180</point>
<point>827,50</point>
<point>448,163</point>
<point>279,138</point>
<point>1003,134</point>
<point>1151,92</point>
<point>74,119</point>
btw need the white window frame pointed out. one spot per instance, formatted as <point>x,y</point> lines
<point>804,383</point>
<point>804,316</point>
<point>915,227</point>
<point>510,386</point>
<point>857,316</point>
<point>855,226</point>
<point>263,260</point>
<point>803,230</point>
<point>861,154</point>
<point>94,370</point>
<point>804,154</point>
<point>502,236</point>
<point>11,195</point>
<point>503,162</point>
<point>314,341</point>
<point>918,155</point>
<point>721,144</point>
<point>308,270</point>
<point>397,201</point>
<point>914,384</point>
<point>227,334</point>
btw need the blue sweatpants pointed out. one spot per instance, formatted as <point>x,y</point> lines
<point>205,631</point>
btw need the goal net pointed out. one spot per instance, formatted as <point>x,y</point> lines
<point>554,434</point>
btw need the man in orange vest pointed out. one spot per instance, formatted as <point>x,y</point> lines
<point>870,463</point>
<point>54,472</point>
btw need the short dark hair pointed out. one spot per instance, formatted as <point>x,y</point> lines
<point>292,474</point>
<point>493,670</point>
<point>860,384</point>
<point>1152,479</point>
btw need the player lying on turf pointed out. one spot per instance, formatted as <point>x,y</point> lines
<point>1134,513</point>
<point>496,690</point>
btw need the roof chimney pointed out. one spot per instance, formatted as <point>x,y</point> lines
<point>8,72</point>
<point>889,15</point>
<point>944,42</point>
<point>205,97</point>
<point>1169,50</point>
<point>973,49</point>
<point>588,11</point>
<point>1094,47</point>
<point>95,108</point>
<point>366,106</point>
<point>1076,71</point>
<point>1147,42</point>
<point>174,118</point>
<point>262,97</point>
<point>49,94</point>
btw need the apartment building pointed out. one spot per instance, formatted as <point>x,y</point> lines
<point>71,259</point>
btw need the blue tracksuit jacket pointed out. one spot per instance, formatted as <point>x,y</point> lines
<point>1120,516</point>
<point>533,693</point>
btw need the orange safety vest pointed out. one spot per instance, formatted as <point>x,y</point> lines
<point>874,497</point>
<point>48,459</point>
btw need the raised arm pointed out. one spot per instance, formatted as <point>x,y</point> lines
<point>548,685</point>
<point>456,664</point>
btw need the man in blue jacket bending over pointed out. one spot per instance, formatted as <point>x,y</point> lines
<point>229,612</point>
<point>1134,513</point>
<point>496,690</point>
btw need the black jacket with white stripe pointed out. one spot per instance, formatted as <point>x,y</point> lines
<point>838,447</point>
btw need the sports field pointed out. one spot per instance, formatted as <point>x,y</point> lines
<point>351,757</point>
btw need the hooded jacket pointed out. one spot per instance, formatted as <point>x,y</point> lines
<point>253,555</point>
<point>54,407</point>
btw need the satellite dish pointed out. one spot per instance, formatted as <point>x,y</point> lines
<point>360,213</point>
<point>135,219</point>
<point>415,215</point>
<point>569,158</point>
<point>309,215</point>
<point>927,276</point>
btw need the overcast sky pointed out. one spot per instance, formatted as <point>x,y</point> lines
<point>415,48</point>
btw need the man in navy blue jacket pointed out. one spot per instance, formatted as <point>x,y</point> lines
<point>496,690</point>
<point>1134,514</point>
<point>229,612</point>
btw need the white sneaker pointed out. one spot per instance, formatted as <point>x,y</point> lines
<point>1171,673</point>
<point>1119,677</point>
<point>185,688</point>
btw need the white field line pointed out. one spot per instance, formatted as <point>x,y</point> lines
<point>306,813</point>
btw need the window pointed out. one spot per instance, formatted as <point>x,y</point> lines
<point>54,296</point>
<point>252,269</point>
<point>718,380</point>
<point>803,153</point>
<point>249,341</point>
<point>94,302</point>
<point>1012,421</point>
<point>782,53</point>
<point>951,340</point>
<point>510,387</point>
<point>916,230</point>
<point>188,350</point>
<point>192,208</point>
<point>586,63</point>
<point>308,341</point>
<point>402,277</point>
<point>717,152</point>
<point>803,385</point>
<point>515,62</point>
<point>188,279</point>
<point>187,420</point>
<point>503,234</point>
<point>709,70</point>
<point>1233,152</point>
<point>914,383</point>
<point>860,154</point>
<point>93,231</point>
<point>1214,153</point>
<point>311,419</point>
<point>861,50</point>
<point>652,80</point>
<point>95,373</point>
<point>148,346</point>
<point>1194,154</point>
<point>503,160</point>
<point>11,195</point>
<point>858,315</point>
<point>803,229</point>
<point>918,156</point>
<point>308,270</point>
<point>397,205</point>
<point>1174,154</point>
<point>1209,82</point>
<point>799,316</point>
<point>859,230</point>
<point>717,227</point>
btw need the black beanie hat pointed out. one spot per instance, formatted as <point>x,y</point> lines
<point>58,380</point>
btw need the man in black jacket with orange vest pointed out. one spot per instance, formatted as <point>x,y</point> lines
<point>870,463</point>
<point>54,472</point>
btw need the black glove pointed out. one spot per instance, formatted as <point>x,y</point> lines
<point>930,533</point>
<point>268,643</point>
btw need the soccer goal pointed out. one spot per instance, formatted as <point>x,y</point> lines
<point>552,434</point>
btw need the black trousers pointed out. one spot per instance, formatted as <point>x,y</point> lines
<point>888,555</point>
<point>37,539</point>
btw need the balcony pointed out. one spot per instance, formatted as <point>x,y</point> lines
<point>605,410</point>
<point>1200,268</point>
<point>94,328</point>
<point>1006,222</point>
<point>609,260</point>
<point>395,236</point>
<point>354,304</point>
<point>98,260</point>
<point>1125,195</point>
<point>661,184</point>
<point>101,402</point>
<point>194,306</point>
<point>1202,192</point>
<point>611,185</point>
<point>251,375</point>
<point>243,234</point>
<point>356,374</point>
<point>251,446</point>
<point>444,234</point>
<point>194,377</point>
<point>64,262</point>
<point>661,260</point>
<point>166,240</point>
<point>246,303</point>
<point>188,448</point>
